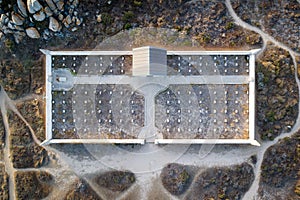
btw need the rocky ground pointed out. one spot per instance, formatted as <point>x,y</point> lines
<point>29,171</point>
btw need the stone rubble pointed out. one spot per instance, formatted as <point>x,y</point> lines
<point>28,17</point>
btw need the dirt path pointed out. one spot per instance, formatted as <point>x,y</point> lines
<point>57,170</point>
<point>7,157</point>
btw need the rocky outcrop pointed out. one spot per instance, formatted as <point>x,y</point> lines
<point>33,33</point>
<point>29,17</point>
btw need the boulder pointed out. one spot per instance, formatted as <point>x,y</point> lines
<point>6,30</point>
<point>75,3</point>
<point>46,34</point>
<point>11,26</point>
<point>99,18</point>
<point>60,17</point>
<point>78,21</point>
<point>3,19</point>
<point>60,5</point>
<point>48,11</point>
<point>32,33</point>
<point>33,6</point>
<point>67,21</point>
<point>51,5</point>
<point>17,19</point>
<point>19,28</point>
<point>22,8</point>
<point>54,25</point>
<point>39,16</point>
<point>74,29</point>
